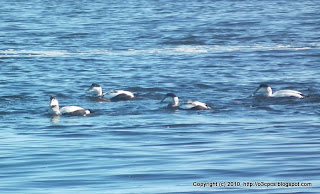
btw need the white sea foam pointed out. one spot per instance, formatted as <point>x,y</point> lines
<point>32,53</point>
<point>171,50</point>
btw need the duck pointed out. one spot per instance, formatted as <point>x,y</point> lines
<point>69,110</point>
<point>189,105</point>
<point>112,95</point>
<point>265,90</point>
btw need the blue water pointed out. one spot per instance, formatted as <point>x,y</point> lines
<point>216,52</point>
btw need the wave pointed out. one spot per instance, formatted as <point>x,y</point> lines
<point>187,49</point>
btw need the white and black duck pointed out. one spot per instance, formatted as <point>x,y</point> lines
<point>265,90</point>
<point>189,105</point>
<point>69,110</point>
<point>112,95</point>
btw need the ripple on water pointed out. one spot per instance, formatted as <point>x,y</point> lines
<point>151,48</point>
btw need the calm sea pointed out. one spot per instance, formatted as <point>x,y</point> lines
<point>216,52</point>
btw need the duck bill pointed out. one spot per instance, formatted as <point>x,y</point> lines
<point>254,93</point>
<point>163,99</point>
<point>89,90</point>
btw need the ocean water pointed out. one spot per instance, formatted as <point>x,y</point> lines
<point>216,52</point>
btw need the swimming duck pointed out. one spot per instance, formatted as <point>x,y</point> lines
<point>265,90</point>
<point>189,105</point>
<point>70,110</point>
<point>113,95</point>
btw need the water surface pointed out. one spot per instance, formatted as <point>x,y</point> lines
<point>216,52</point>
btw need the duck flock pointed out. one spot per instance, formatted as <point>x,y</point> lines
<point>173,101</point>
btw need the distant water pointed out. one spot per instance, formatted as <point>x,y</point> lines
<point>216,52</point>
